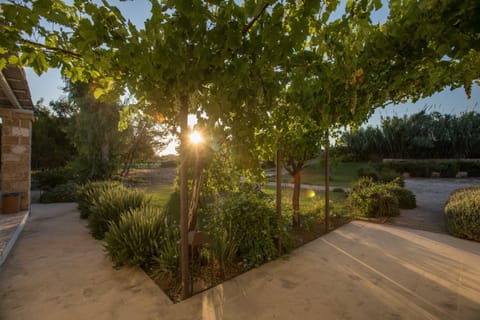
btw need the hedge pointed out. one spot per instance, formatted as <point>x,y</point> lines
<point>462,213</point>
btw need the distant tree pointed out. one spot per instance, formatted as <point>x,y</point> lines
<point>143,138</point>
<point>418,136</point>
<point>95,133</point>
<point>51,144</point>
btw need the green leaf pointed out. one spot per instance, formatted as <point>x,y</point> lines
<point>13,59</point>
<point>3,63</point>
<point>98,92</point>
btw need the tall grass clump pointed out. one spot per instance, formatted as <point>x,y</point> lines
<point>89,192</point>
<point>138,237</point>
<point>108,207</point>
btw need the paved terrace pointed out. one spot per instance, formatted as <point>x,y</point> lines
<point>360,271</point>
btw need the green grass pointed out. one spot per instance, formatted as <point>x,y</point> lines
<point>342,174</point>
<point>159,194</point>
<point>310,200</point>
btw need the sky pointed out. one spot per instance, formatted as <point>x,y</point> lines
<point>49,85</point>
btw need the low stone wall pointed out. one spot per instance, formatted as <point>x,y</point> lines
<point>16,153</point>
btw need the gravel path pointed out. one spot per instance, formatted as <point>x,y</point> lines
<point>431,194</point>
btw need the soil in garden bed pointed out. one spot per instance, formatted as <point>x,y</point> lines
<point>206,275</point>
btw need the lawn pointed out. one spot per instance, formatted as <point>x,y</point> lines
<point>311,201</point>
<point>342,174</point>
<point>159,194</point>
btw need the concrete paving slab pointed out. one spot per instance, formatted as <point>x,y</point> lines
<point>11,225</point>
<point>359,271</point>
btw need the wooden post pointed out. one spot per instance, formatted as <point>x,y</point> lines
<point>184,258</point>
<point>327,181</point>
<point>278,187</point>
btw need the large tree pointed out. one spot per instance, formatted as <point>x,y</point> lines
<point>190,47</point>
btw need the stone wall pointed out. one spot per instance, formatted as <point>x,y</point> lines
<point>16,150</point>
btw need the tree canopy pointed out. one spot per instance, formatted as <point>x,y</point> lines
<point>226,60</point>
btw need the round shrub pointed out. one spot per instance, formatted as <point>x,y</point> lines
<point>108,207</point>
<point>138,237</point>
<point>406,198</point>
<point>368,199</point>
<point>61,193</point>
<point>462,213</point>
<point>89,192</point>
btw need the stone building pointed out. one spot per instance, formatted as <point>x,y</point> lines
<point>16,114</point>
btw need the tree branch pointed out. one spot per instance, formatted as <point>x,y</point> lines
<point>251,23</point>
<point>54,49</point>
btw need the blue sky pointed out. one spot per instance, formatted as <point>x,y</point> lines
<point>48,86</point>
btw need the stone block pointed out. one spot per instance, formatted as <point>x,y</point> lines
<point>11,140</point>
<point>25,124</point>
<point>18,149</point>
<point>435,174</point>
<point>462,174</point>
<point>24,140</point>
<point>20,132</point>
<point>11,157</point>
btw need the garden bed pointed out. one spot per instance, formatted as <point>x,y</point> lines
<point>207,275</point>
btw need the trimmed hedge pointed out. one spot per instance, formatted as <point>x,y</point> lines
<point>381,173</point>
<point>462,213</point>
<point>108,207</point>
<point>61,193</point>
<point>424,168</point>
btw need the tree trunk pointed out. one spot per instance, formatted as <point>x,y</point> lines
<point>278,187</point>
<point>197,180</point>
<point>297,181</point>
<point>184,258</point>
<point>327,182</point>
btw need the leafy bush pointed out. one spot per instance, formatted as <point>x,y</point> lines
<point>368,172</point>
<point>249,221</point>
<point>137,237</point>
<point>471,167</point>
<point>446,168</point>
<point>462,212</point>
<point>50,178</point>
<point>372,200</point>
<point>108,207</point>
<point>167,260</point>
<point>60,193</point>
<point>172,207</point>
<point>381,173</point>
<point>89,192</point>
<point>406,198</point>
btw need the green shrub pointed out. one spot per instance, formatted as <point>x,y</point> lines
<point>381,173</point>
<point>89,192</point>
<point>137,237</point>
<point>368,199</point>
<point>167,260</point>
<point>368,172</point>
<point>60,193</point>
<point>462,212</point>
<point>108,207</point>
<point>252,223</point>
<point>50,178</point>
<point>406,198</point>
<point>172,207</point>
<point>471,167</point>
